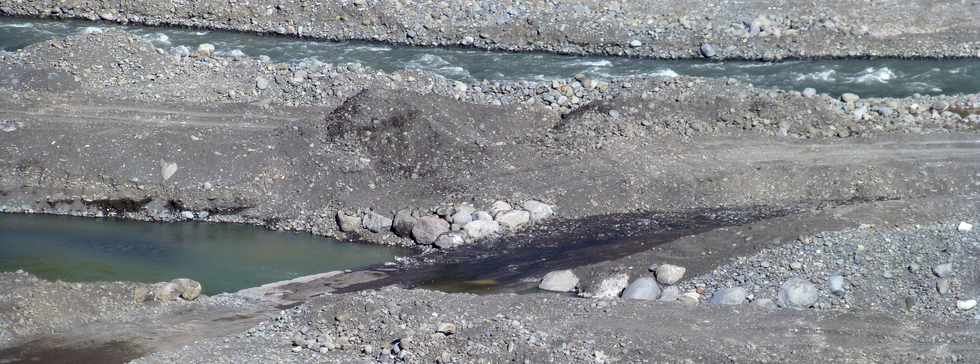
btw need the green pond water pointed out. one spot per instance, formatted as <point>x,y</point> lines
<point>223,257</point>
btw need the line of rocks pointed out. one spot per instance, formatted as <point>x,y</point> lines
<point>804,281</point>
<point>446,227</point>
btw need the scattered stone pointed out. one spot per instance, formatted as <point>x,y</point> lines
<point>539,210</point>
<point>966,305</point>
<point>559,281</point>
<point>376,222</point>
<point>513,219</point>
<point>809,92</point>
<point>943,270</point>
<point>450,240</point>
<point>850,98</point>
<point>796,266</point>
<point>261,83</point>
<point>836,283</point>
<point>188,215</point>
<point>729,296</point>
<point>964,227</point>
<point>707,51</point>
<point>403,223</point>
<point>797,293</point>
<point>348,223</point>
<point>609,287</point>
<point>167,169</point>
<point>645,288</point>
<point>428,228</point>
<point>446,328</point>
<point>205,50</point>
<point>942,286</point>
<point>669,274</point>
<point>479,229</point>
<point>635,43</point>
<point>188,289</point>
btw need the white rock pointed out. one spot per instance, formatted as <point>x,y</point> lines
<point>450,240</point>
<point>500,206</point>
<point>513,219</point>
<point>964,227</point>
<point>479,229</point>
<point>669,274</point>
<point>189,289</point>
<point>966,305</point>
<point>559,281</point>
<point>539,210</point>
<point>205,50</point>
<point>609,287</point>
<point>167,169</point>
<point>797,293</point>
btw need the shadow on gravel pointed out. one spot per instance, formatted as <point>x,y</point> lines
<point>50,351</point>
<point>508,264</point>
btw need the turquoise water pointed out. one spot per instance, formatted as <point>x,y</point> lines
<point>223,257</point>
<point>866,77</point>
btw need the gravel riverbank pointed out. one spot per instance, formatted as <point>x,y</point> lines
<point>662,29</point>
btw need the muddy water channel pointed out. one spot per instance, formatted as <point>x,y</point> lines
<point>867,77</point>
<point>223,257</point>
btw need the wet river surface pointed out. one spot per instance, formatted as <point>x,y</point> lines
<point>866,77</point>
<point>223,257</point>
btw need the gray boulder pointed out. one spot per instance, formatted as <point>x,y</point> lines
<point>809,92</point>
<point>513,219</point>
<point>449,240</point>
<point>707,51</point>
<point>403,223</point>
<point>850,98</point>
<point>669,274</point>
<point>539,210</point>
<point>729,296</point>
<point>205,50</point>
<point>348,223</point>
<point>462,215</point>
<point>479,229</point>
<point>797,293</point>
<point>645,288</point>
<point>559,281</point>
<point>428,228</point>
<point>376,222</point>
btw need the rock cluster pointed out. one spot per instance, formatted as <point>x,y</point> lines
<point>918,270</point>
<point>178,289</point>
<point>447,228</point>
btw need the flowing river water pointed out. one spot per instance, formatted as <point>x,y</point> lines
<point>866,77</point>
